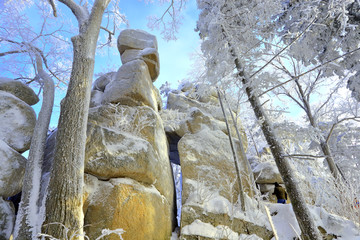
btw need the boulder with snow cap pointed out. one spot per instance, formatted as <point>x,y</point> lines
<point>19,89</point>
<point>17,122</point>
<point>12,170</point>
<point>132,86</point>
<point>149,55</point>
<point>125,141</point>
<point>135,39</point>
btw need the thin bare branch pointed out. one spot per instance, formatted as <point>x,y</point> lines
<point>304,73</point>
<point>357,119</point>
<point>282,50</point>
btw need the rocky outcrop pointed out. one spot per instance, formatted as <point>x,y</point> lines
<point>17,120</point>
<point>129,181</point>
<point>210,188</point>
<point>132,84</point>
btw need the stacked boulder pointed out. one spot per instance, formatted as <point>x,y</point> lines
<point>210,187</point>
<point>17,125</point>
<point>128,175</point>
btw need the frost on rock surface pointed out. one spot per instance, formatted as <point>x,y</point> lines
<point>12,170</point>
<point>17,122</point>
<point>7,219</point>
<point>129,181</point>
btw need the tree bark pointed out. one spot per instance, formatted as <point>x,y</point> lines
<point>28,224</point>
<point>64,216</point>
<point>302,213</point>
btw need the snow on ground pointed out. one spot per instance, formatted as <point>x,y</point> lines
<point>287,227</point>
<point>200,228</point>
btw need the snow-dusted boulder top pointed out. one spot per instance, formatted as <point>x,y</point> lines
<point>129,142</point>
<point>17,122</point>
<point>19,89</point>
<point>12,169</point>
<point>135,39</point>
<point>132,86</point>
<point>137,44</point>
<point>149,55</point>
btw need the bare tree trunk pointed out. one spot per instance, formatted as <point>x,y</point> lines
<point>236,160</point>
<point>28,224</point>
<point>64,199</point>
<point>302,213</point>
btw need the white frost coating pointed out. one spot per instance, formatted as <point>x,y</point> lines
<point>14,121</point>
<point>288,228</point>
<point>200,228</point>
<point>211,201</point>
<point>7,219</point>
<point>137,185</point>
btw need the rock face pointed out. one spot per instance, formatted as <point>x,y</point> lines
<point>19,90</point>
<point>132,84</point>
<point>17,122</point>
<point>210,187</point>
<point>142,211</point>
<point>129,181</point>
<point>12,169</point>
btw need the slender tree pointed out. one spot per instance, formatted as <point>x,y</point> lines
<point>28,223</point>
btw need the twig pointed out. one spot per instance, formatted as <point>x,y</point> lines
<point>304,73</point>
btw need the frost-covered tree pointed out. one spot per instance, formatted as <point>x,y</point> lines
<point>334,31</point>
<point>64,199</point>
<point>231,30</point>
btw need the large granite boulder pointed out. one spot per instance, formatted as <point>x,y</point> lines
<point>17,122</point>
<point>7,219</point>
<point>12,170</point>
<point>142,211</point>
<point>19,89</point>
<point>135,39</point>
<point>132,86</point>
<point>206,157</point>
<point>126,141</point>
<point>149,55</point>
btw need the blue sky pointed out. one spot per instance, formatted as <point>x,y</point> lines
<point>174,55</point>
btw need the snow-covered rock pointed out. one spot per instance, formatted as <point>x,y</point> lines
<point>267,173</point>
<point>149,55</point>
<point>7,219</point>
<point>19,89</point>
<point>112,154</point>
<point>17,122</point>
<point>202,107</point>
<point>132,86</point>
<point>12,169</point>
<point>135,39</point>
<point>140,210</point>
<point>101,82</point>
<point>133,135</point>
